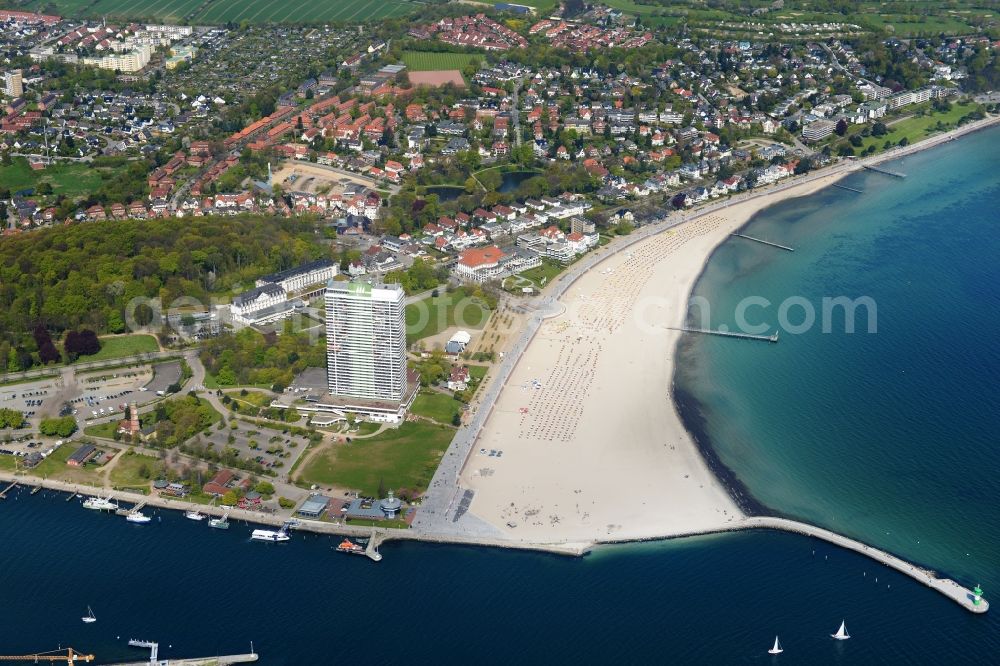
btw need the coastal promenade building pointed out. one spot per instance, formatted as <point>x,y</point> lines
<point>261,305</point>
<point>313,274</point>
<point>366,372</point>
<point>484,264</point>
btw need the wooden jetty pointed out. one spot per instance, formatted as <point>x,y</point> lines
<point>849,189</point>
<point>894,174</point>
<point>135,509</point>
<point>728,334</point>
<point>3,493</point>
<point>759,240</point>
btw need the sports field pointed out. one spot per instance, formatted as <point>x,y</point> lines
<point>212,12</point>
<point>426,61</point>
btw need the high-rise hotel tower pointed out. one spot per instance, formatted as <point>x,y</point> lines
<point>366,341</point>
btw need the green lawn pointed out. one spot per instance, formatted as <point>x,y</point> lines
<point>8,463</point>
<point>127,472</point>
<point>72,180</point>
<point>255,398</point>
<point>105,430</point>
<point>540,276</point>
<point>430,316</point>
<point>405,457</point>
<point>423,61</point>
<point>119,346</point>
<point>917,128</point>
<point>438,406</point>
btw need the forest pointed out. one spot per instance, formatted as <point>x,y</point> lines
<point>85,275</point>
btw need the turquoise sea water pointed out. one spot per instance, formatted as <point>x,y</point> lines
<point>889,437</point>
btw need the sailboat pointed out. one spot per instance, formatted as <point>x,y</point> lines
<point>777,647</point>
<point>89,617</point>
<point>841,634</point>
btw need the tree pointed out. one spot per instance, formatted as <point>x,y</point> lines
<point>47,351</point>
<point>879,129</point>
<point>61,427</point>
<point>11,418</point>
<point>841,128</point>
<point>81,343</point>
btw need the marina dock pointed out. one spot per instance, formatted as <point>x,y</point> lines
<point>759,240</point>
<point>849,189</point>
<point>894,174</point>
<point>745,336</point>
<point>3,493</point>
<point>135,509</point>
<point>970,600</point>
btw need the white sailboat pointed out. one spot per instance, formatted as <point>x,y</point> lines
<point>89,617</point>
<point>777,647</point>
<point>841,634</point>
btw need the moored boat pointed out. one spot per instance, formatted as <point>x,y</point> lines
<point>194,515</point>
<point>270,535</point>
<point>99,504</point>
<point>348,546</point>
<point>219,523</point>
<point>138,517</point>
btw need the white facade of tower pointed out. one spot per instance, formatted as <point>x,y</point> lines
<point>366,341</point>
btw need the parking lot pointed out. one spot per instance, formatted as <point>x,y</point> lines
<point>271,448</point>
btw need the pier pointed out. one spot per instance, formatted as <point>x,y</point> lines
<point>154,657</point>
<point>3,493</point>
<point>894,174</point>
<point>759,240</point>
<point>849,189</point>
<point>970,600</point>
<point>135,509</point>
<point>744,336</point>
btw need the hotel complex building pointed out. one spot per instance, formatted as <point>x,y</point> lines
<point>366,341</point>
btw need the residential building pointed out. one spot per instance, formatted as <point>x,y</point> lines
<point>13,83</point>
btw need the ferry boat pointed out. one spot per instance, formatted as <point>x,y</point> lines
<point>219,523</point>
<point>99,504</point>
<point>348,546</point>
<point>194,515</point>
<point>270,535</point>
<point>138,517</point>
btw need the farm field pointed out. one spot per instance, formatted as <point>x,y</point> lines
<point>426,61</point>
<point>209,12</point>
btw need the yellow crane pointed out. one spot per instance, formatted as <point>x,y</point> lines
<point>69,657</point>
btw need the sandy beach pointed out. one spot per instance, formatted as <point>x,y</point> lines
<point>592,446</point>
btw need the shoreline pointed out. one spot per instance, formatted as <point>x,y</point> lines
<point>690,408</point>
<point>756,515</point>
